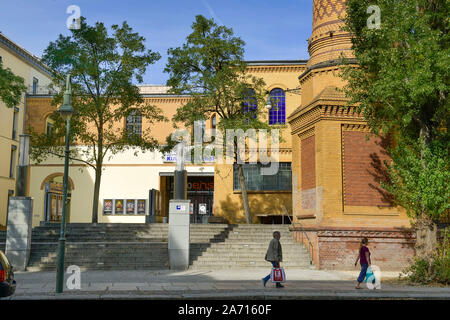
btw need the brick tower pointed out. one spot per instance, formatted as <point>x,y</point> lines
<point>336,170</point>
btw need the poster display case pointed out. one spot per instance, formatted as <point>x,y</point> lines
<point>124,206</point>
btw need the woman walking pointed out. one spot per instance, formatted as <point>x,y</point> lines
<point>364,259</point>
<point>274,255</point>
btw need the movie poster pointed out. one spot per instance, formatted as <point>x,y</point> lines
<point>107,206</point>
<point>130,206</point>
<point>118,208</point>
<point>141,206</point>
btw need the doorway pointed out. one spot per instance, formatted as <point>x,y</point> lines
<point>200,190</point>
<point>53,202</point>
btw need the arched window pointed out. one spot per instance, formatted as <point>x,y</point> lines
<point>277,114</point>
<point>134,123</point>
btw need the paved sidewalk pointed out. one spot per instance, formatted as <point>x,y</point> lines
<point>215,284</point>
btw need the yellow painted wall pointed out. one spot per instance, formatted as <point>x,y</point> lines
<point>27,71</point>
<point>127,175</point>
<point>227,202</point>
<point>124,177</point>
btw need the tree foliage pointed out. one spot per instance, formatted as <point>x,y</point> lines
<point>401,85</point>
<point>11,87</point>
<point>210,68</point>
<point>103,68</point>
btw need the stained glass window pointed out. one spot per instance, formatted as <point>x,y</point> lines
<point>277,114</point>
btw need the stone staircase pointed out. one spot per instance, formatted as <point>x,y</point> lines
<point>144,246</point>
<point>101,246</point>
<point>245,246</point>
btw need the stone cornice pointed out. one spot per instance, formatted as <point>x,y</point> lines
<point>335,64</point>
<point>166,98</point>
<point>360,127</point>
<point>281,68</point>
<point>359,232</point>
<point>327,110</point>
<point>24,55</point>
<point>307,133</point>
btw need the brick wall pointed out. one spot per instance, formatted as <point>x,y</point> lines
<point>364,170</point>
<point>308,168</point>
<point>336,248</point>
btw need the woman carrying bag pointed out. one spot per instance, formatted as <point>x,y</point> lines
<point>364,259</point>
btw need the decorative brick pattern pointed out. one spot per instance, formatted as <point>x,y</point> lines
<point>363,168</point>
<point>340,253</point>
<point>322,8</point>
<point>336,249</point>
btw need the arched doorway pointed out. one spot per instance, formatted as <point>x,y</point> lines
<point>53,197</point>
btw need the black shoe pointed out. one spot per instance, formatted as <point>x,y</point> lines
<point>264,281</point>
<point>279,285</point>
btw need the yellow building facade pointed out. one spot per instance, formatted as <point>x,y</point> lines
<point>337,163</point>
<point>23,64</point>
<point>330,166</point>
<point>128,177</point>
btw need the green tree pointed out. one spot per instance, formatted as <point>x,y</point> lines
<point>11,87</point>
<point>103,68</point>
<point>401,84</point>
<point>210,68</point>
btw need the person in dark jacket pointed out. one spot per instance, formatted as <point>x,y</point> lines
<point>274,255</point>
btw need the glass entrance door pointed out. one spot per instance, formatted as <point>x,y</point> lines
<point>54,207</point>
<point>54,204</point>
<point>202,207</point>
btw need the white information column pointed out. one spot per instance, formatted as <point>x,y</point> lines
<point>179,228</point>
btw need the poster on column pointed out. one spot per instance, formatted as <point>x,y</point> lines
<point>131,206</point>
<point>118,206</point>
<point>141,206</point>
<point>107,206</point>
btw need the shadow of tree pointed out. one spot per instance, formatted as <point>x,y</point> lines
<point>379,171</point>
<point>197,249</point>
<point>260,204</point>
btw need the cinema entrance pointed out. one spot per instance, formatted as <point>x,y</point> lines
<point>200,190</point>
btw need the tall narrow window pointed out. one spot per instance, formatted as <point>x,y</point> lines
<point>134,124</point>
<point>277,114</point>
<point>15,123</point>
<point>49,126</point>
<point>250,104</point>
<point>35,85</point>
<point>213,124</point>
<point>12,163</point>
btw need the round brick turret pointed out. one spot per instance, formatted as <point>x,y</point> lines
<point>327,40</point>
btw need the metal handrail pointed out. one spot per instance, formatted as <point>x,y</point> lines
<point>285,213</point>
<point>311,248</point>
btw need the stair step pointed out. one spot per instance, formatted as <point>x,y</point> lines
<point>143,246</point>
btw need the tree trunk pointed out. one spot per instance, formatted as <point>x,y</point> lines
<point>98,178</point>
<point>426,237</point>
<point>426,229</point>
<point>247,214</point>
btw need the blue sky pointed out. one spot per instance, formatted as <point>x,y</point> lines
<point>272,30</point>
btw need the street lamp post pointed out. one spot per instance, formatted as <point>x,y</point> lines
<point>66,112</point>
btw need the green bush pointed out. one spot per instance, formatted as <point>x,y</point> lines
<point>435,270</point>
